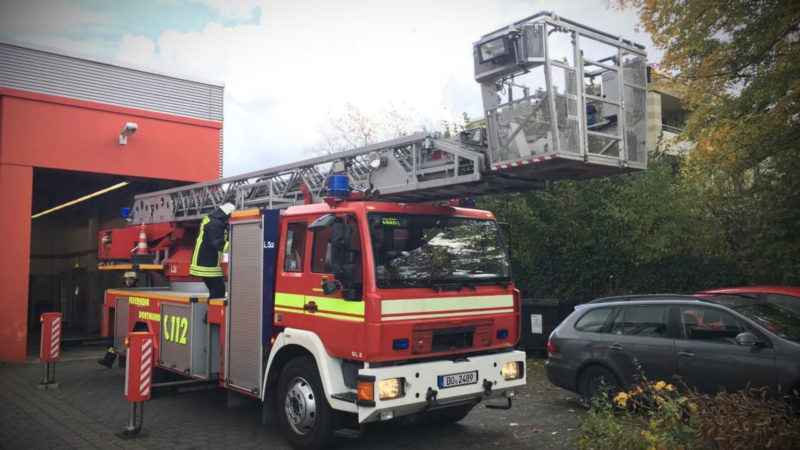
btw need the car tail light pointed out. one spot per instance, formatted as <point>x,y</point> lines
<point>552,349</point>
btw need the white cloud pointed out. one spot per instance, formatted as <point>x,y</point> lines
<point>305,59</point>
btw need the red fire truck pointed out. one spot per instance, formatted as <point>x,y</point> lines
<point>355,292</point>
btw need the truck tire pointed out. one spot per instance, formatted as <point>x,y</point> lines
<point>306,418</point>
<point>595,381</point>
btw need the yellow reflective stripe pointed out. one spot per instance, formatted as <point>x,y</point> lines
<point>444,304</point>
<point>246,213</point>
<point>205,271</point>
<point>116,267</point>
<point>130,266</point>
<point>338,305</point>
<point>284,299</point>
<point>448,314</point>
<point>334,305</point>
<point>198,242</point>
<point>326,307</point>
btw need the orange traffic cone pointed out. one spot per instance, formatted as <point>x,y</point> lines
<point>141,248</point>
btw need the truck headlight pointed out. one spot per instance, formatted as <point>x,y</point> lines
<point>511,370</point>
<point>391,388</point>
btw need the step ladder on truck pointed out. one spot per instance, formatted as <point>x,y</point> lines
<point>354,296</point>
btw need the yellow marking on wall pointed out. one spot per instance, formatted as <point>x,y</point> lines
<point>139,301</point>
<point>145,315</point>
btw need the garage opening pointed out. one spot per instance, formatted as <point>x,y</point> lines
<point>69,208</point>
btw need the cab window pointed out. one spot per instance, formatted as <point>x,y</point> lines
<point>295,247</point>
<point>321,254</point>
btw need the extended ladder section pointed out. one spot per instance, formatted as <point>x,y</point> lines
<point>561,101</point>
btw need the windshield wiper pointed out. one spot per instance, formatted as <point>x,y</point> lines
<point>446,284</point>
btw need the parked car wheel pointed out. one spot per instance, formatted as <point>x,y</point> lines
<point>595,381</point>
<point>305,416</point>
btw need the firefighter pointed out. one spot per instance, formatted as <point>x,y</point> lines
<point>212,242</point>
<point>129,280</point>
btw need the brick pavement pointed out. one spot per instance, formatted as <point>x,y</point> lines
<point>88,410</point>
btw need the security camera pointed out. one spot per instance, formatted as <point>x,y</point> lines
<point>127,130</point>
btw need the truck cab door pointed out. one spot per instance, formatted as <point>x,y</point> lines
<point>333,303</point>
<point>292,272</point>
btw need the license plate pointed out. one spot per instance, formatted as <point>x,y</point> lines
<point>458,379</point>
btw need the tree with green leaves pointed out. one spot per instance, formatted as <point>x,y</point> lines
<point>737,65</point>
<point>643,232</point>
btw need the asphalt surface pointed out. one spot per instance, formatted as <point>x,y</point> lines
<point>88,410</point>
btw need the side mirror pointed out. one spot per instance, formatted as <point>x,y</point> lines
<point>330,287</point>
<point>747,339</point>
<point>322,222</point>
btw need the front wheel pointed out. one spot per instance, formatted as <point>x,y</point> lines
<point>595,381</point>
<point>306,418</point>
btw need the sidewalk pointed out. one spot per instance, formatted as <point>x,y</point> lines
<point>88,409</point>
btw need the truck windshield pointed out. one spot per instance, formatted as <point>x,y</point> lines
<point>428,250</point>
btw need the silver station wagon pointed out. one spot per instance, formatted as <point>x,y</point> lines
<point>728,343</point>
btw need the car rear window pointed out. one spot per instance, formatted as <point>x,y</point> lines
<point>593,320</point>
<point>642,321</point>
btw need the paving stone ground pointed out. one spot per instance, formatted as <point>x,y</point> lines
<point>88,409</point>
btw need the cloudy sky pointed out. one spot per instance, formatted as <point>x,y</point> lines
<point>288,65</point>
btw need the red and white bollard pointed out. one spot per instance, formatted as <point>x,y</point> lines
<point>50,348</point>
<point>138,378</point>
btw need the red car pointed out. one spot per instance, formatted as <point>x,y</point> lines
<point>785,296</point>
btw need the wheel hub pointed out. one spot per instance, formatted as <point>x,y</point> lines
<point>598,385</point>
<point>300,406</point>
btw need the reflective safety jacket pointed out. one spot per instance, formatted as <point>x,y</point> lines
<point>211,242</point>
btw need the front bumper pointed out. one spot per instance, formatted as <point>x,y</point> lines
<point>422,378</point>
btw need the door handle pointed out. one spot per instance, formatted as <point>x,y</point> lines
<point>615,347</point>
<point>687,354</point>
<point>310,306</point>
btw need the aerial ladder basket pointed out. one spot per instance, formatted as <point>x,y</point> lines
<point>561,101</point>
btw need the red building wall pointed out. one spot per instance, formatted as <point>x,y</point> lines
<point>38,130</point>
